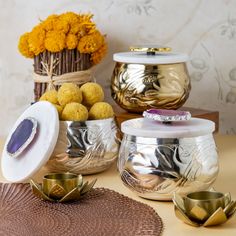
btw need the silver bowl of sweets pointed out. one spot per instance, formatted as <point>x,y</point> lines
<point>85,147</point>
<point>87,141</point>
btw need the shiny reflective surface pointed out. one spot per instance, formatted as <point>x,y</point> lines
<point>150,48</point>
<point>62,187</point>
<point>85,147</point>
<point>58,185</point>
<point>155,168</point>
<point>206,209</point>
<point>163,115</point>
<point>137,87</point>
<point>201,205</point>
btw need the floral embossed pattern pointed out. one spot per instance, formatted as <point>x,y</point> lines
<point>102,212</point>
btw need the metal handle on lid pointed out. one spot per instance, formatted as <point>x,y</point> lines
<point>150,49</point>
<point>167,116</point>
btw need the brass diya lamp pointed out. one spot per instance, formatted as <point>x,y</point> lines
<point>206,208</point>
<point>150,77</point>
<point>61,187</point>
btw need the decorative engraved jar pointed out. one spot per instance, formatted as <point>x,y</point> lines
<point>38,140</point>
<point>157,159</point>
<point>150,78</point>
<point>85,147</point>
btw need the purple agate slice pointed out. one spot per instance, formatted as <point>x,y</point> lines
<point>22,136</point>
<point>167,115</point>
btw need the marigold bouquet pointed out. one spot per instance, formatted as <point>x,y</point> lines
<point>62,44</point>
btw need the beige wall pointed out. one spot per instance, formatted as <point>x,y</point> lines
<point>206,30</point>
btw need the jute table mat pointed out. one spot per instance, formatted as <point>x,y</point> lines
<point>101,212</point>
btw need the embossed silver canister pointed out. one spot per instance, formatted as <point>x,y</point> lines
<point>150,77</point>
<point>38,140</point>
<point>85,147</point>
<point>157,159</point>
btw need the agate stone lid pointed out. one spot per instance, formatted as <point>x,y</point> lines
<point>31,142</point>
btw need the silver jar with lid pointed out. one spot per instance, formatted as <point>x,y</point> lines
<point>169,154</point>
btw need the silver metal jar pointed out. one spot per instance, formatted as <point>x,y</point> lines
<point>85,147</point>
<point>156,159</point>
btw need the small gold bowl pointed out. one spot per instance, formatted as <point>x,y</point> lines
<point>201,205</point>
<point>61,187</point>
<point>205,208</point>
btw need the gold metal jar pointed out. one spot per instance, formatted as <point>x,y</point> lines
<point>150,77</point>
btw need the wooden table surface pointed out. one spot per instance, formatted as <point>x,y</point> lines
<point>226,182</point>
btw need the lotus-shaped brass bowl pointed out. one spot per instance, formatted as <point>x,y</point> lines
<point>205,208</point>
<point>61,187</point>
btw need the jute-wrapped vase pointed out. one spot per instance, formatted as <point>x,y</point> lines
<point>63,62</point>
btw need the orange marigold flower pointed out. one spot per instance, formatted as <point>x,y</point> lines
<point>86,21</point>
<point>72,20</point>
<point>70,17</point>
<point>61,25</point>
<point>76,28</point>
<point>97,56</point>
<point>71,41</point>
<point>90,43</point>
<point>79,24</point>
<point>23,46</point>
<point>48,24</point>
<point>65,31</point>
<point>85,18</point>
<point>36,40</point>
<point>81,31</point>
<point>91,28</point>
<point>55,41</point>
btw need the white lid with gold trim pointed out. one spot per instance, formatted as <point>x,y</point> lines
<point>151,55</point>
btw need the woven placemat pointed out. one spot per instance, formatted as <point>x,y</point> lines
<point>101,212</point>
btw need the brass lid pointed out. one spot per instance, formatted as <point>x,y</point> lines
<point>150,48</point>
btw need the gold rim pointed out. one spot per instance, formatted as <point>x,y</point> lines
<point>149,49</point>
<point>60,176</point>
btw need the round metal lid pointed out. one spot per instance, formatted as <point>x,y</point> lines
<point>151,55</point>
<point>144,58</point>
<point>143,127</point>
<point>37,146</point>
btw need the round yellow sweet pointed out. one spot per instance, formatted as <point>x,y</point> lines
<point>50,96</point>
<point>68,93</point>
<point>92,93</point>
<point>101,110</point>
<point>74,111</point>
<point>59,109</point>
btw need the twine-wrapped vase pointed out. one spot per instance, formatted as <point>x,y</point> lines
<point>49,68</point>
